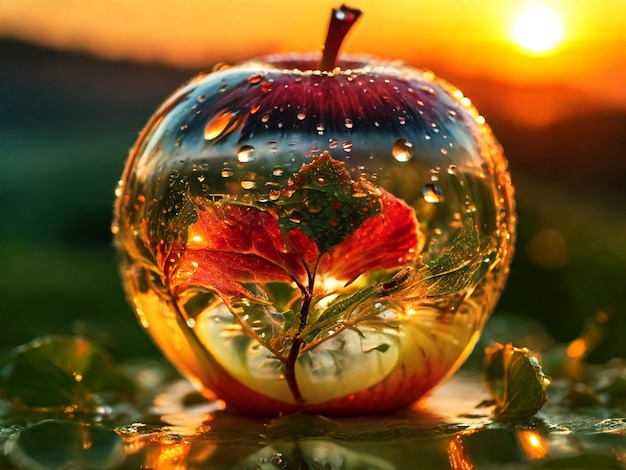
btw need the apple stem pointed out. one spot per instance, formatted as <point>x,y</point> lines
<point>294,351</point>
<point>341,21</point>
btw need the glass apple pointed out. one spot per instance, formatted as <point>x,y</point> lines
<point>329,241</point>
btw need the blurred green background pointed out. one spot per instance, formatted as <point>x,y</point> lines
<point>68,119</point>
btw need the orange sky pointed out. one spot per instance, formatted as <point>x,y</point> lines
<point>471,36</point>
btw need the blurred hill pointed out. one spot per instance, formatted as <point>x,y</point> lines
<point>68,119</point>
<point>559,130</point>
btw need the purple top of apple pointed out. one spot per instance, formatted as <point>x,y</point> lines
<point>273,111</point>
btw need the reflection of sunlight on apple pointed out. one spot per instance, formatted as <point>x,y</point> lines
<point>538,29</point>
<point>329,285</point>
<point>332,284</point>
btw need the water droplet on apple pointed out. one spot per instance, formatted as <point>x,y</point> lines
<point>301,116</point>
<point>248,180</point>
<point>314,207</point>
<point>320,128</point>
<point>402,120</point>
<point>401,150</point>
<point>222,88</point>
<point>219,124</point>
<point>201,98</point>
<point>278,171</point>
<point>432,193</point>
<point>295,217</point>
<point>333,143</point>
<point>254,108</point>
<point>265,118</point>
<point>347,146</point>
<point>452,169</point>
<point>227,172</point>
<point>274,194</point>
<point>220,66</point>
<point>348,123</point>
<point>254,79</point>
<point>246,154</point>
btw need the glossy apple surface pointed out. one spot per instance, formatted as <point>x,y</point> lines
<point>317,241</point>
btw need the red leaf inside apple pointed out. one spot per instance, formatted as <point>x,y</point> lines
<point>384,241</point>
<point>233,244</point>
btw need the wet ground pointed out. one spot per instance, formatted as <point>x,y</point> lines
<point>179,430</point>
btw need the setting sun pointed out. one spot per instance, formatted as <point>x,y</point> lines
<point>538,29</point>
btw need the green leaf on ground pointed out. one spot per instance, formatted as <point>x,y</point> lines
<point>515,380</point>
<point>53,443</point>
<point>59,373</point>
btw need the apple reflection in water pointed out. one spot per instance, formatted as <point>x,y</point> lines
<point>319,237</point>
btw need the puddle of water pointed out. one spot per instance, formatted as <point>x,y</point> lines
<point>446,430</point>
